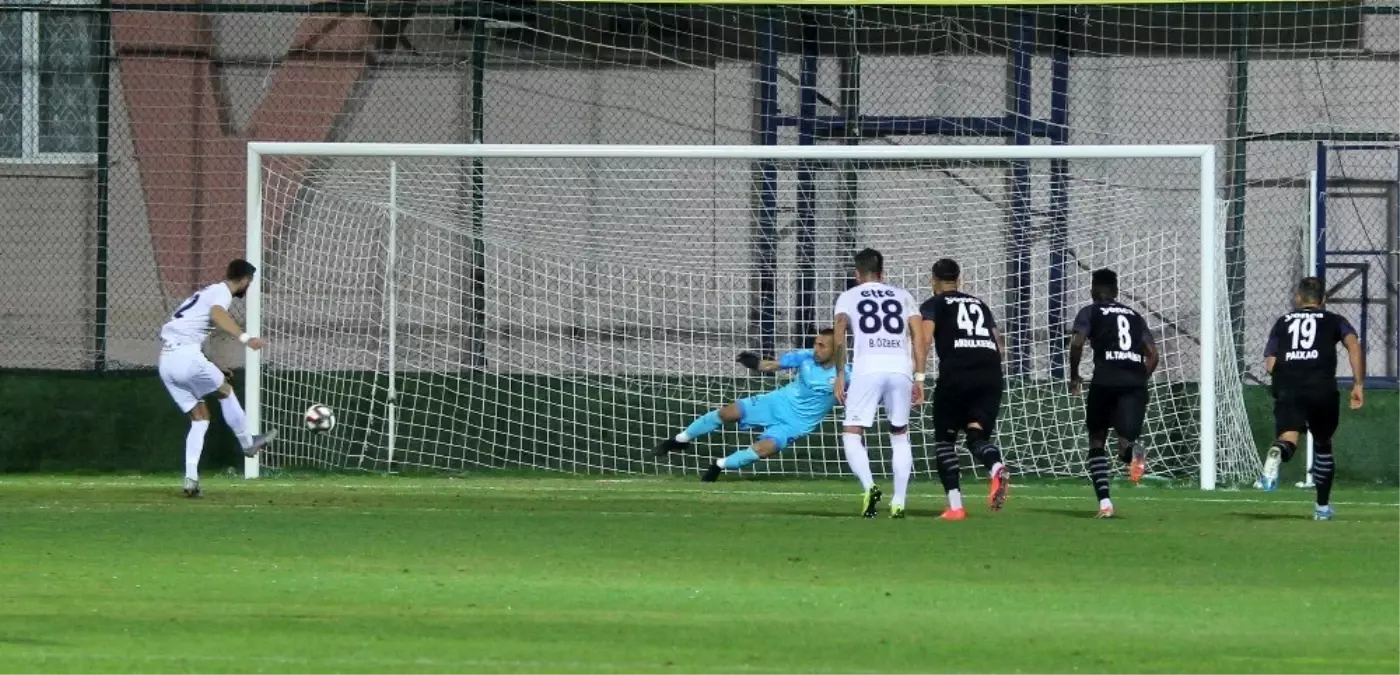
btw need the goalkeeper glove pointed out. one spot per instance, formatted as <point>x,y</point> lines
<point>749,360</point>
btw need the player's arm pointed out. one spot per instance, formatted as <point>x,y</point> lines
<point>224,322</point>
<point>1149,349</point>
<point>1078,336</point>
<point>1358,365</point>
<point>925,327</point>
<point>1271,348</point>
<point>842,322</point>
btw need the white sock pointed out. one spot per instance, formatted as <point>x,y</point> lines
<point>955,499</point>
<point>682,437</point>
<point>194,447</point>
<point>233,417</point>
<point>903,460</point>
<point>996,468</point>
<point>1105,504</point>
<point>858,458</point>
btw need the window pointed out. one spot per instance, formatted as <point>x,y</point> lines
<point>48,86</point>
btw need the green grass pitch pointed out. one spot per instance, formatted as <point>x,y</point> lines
<point>539,574</point>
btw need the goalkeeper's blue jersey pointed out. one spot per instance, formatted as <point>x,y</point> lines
<point>812,393</point>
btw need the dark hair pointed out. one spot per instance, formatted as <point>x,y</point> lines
<point>239,268</point>
<point>1105,284</point>
<point>946,269</point>
<point>1311,289</point>
<point>869,261</point>
<point>827,331</point>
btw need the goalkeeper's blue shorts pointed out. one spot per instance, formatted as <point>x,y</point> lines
<point>776,416</point>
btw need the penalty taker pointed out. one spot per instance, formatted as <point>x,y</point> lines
<point>781,416</point>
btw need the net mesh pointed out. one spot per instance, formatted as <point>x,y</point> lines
<point>614,295</point>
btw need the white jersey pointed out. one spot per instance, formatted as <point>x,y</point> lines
<point>190,324</point>
<point>879,315</point>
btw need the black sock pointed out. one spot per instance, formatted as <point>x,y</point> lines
<point>1125,451</point>
<point>983,450</point>
<point>1323,469</point>
<point>1286,449</point>
<point>1098,472</point>
<point>946,455</point>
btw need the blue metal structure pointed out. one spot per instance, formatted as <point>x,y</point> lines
<point>1325,254</point>
<point>1015,124</point>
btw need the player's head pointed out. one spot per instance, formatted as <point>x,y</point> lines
<point>825,348</point>
<point>239,276</point>
<point>947,275</point>
<point>1310,293</point>
<point>1104,285</point>
<point>870,265</point>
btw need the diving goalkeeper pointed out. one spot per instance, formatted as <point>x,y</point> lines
<point>784,415</point>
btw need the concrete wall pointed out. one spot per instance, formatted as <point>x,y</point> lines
<point>567,266</point>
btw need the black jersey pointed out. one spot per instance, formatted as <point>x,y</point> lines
<point>1120,339</point>
<point>1304,345</point>
<point>963,335</point>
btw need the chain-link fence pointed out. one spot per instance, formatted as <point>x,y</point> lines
<point>122,129</point>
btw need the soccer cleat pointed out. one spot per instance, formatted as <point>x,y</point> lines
<point>1105,512</point>
<point>870,501</point>
<point>1137,468</point>
<point>1269,480</point>
<point>712,473</point>
<point>668,446</point>
<point>896,511</point>
<point>1323,513</point>
<point>258,442</point>
<point>954,514</point>
<point>1001,482</point>
<point>192,490</point>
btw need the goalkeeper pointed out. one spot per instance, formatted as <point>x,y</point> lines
<point>784,415</point>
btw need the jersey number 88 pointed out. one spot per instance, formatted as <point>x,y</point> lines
<point>888,315</point>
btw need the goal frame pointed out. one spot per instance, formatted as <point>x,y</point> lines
<point>1204,154</point>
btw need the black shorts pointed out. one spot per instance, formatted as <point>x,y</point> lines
<point>960,400</point>
<point>1314,411</point>
<point>1121,408</point>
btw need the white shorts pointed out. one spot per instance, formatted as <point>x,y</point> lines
<point>868,390</point>
<point>188,376</point>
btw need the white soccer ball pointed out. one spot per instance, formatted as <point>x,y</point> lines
<point>320,418</point>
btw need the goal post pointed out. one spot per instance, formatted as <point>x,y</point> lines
<point>336,214</point>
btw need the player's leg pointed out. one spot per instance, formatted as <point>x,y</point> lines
<point>983,406</point>
<point>862,402</point>
<point>1098,411</point>
<point>237,422</point>
<point>897,398</point>
<point>1289,421</point>
<point>948,415</point>
<point>770,443</point>
<point>1128,415</point>
<point>173,369</point>
<point>1323,417</point>
<point>702,426</point>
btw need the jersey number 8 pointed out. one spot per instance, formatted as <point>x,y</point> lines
<point>1125,333</point>
<point>888,315</point>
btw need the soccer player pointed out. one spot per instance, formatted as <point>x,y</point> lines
<point>967,396</point>
<point>1302,356</point>
<point>1124,357</point>
<point>882,372</point>
<point>190,377</point>
<point>784,415</point>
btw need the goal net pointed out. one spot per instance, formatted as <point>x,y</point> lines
<point>518,310</point>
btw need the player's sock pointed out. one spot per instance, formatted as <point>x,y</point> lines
<point>902,459</point>
<point>983,450</point>
<point>955,499</point>
<point>1098,472</point>
<point>702,425</point>
<point>1285,449</point>
<point>233,417</point>
<point>194,447</point>
<point>1323,469</point>
<point>858,458</point>
<point>738,459</point>
<point>946,455</point>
